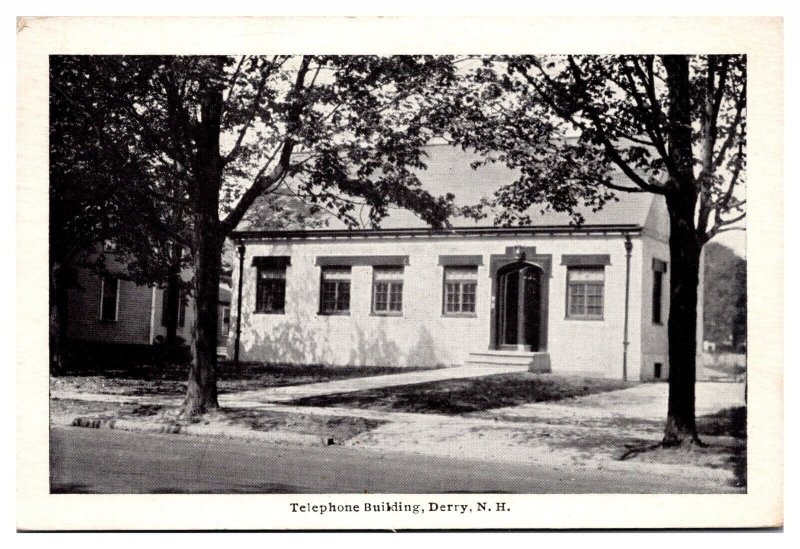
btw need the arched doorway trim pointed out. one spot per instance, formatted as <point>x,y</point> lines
<point>516,260</point>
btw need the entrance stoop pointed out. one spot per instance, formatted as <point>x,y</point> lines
<point>533,361</point>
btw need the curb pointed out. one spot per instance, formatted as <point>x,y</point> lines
<point>275,437</point>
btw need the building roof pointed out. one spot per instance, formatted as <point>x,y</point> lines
<point>449,171</point>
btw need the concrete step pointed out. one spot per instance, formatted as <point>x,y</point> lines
<point>534,361</point>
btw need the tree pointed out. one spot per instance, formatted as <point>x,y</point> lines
<point>94,187</point>
<point>230,130</point>
<point>674,125</point>
<point>724,296</point>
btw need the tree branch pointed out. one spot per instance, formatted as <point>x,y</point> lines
<point>609,146</point>
<point>732,134</point>
<point>655,106</point>
<point>650,122</point>
<point>262,84</point>
<point>262,184</point>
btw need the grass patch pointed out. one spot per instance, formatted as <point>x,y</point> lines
<point>170,381</point>
<point>331,429</point>
<point>730,422</point>
<point>338,428</point>
<point>463,396</point>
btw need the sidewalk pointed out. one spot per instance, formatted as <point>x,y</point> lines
<point>584,432</point>
<point>293,392</point>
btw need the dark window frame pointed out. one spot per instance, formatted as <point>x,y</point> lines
<point>182,303</point>
<point>658,291</point>
<point>657,303</point>
<point>585,285</point>
<point>460,292</point>
<point>392,284</point>
<point>266,306</point>
<point>103,281</point>
<point>338,285</point>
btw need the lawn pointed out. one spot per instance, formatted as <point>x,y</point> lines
<point>234,422</point>
<point>463,396</point>
<point>170,381</point>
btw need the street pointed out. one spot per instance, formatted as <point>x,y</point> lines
<point>108,461</point>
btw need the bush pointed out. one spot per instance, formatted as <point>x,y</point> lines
<point>86,357</point>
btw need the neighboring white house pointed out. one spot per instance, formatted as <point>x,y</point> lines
<point>589,300</point>
<point>113,310</point>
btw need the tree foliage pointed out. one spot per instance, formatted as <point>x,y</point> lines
<point>572,124</point>
<point>581,128</point>
<point>725,297</point>
<point>205,137</point>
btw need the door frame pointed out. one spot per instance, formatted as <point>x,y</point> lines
<point>526,255</point>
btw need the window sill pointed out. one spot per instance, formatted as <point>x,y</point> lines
<point>269,312</point>
<point>459,315</point>
<point>583,318</point>
<point>333,313</point>
<point>398,314</point>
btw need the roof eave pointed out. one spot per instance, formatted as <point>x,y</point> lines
<point>427,232</point>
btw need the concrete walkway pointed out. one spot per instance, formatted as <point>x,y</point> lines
<point>293,392</point>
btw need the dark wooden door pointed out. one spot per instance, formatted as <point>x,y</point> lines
<point>519,318</point>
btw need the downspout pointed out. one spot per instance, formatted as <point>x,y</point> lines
<point>239,306</point>
<point>625,342</point>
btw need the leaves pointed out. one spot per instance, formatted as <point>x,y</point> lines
<point>567,122</point>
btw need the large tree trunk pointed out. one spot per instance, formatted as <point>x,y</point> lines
<point>201,394</point>
<point>172,310</point>
<point>59,300</point>
<point>684,247</point>
<point>682,325</point>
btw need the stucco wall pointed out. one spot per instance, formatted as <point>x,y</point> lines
<point>422,335</point>
<point>654,336</point>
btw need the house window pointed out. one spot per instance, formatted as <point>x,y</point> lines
<point>658,278</point>
<point>181,308</point>
<point>387,291</point>
<point>225,322</point>
<point>270,289</point>
<point>335,299</point>
<point>109,299</point>
<point>460,288</point>
<point>585,292</point>
<point>659,268</point>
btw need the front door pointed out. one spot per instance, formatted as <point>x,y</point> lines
<point>519,307</point>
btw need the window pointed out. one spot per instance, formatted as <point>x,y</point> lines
<point>659,268</point>
<point>271,289</point>
<point>657,291</point>
<point>109,299</point>
<point>460,286</point>
<point>657,366</point>
<point>387,291</point>
<point>181,308</point>
<point>224,322</point>
<point>335,298</point>
<point>585,292</point>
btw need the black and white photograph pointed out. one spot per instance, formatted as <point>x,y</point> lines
<point>399,279</point>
